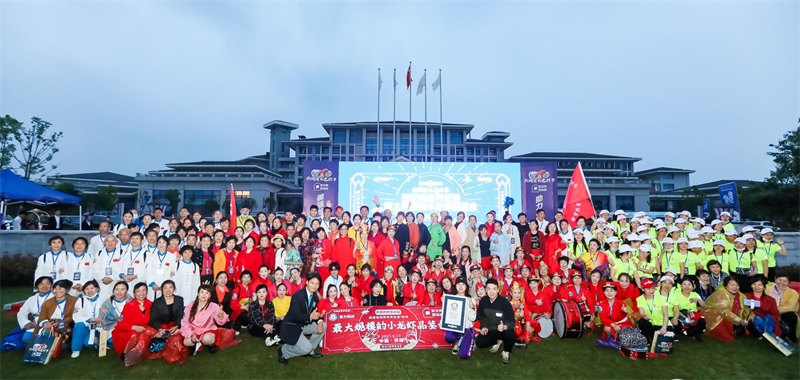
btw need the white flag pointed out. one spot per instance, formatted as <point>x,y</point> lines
<point>395,80</point>
<point>380,81</point>
<point>438,82</point>
<point>421,84</point>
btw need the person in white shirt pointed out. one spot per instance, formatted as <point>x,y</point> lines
<point>97,243</point>
<point>16,224</point>
<point>50,264</point>
<point>77,266</point>
<point>133,262</point>
<point>163,224</point>
<point>187,275</point>
<point>334,279</point>
<point>86,314</point>
<point>29,312</point>
<point>151,241</point>
<point>127,218</point>
<point>160,267</point>
<point>541,221</point>
<point>511,231</point>
<point>124,240</point>
<point>107,266</point>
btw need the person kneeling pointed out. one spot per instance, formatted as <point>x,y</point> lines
<point>197,326</point>
<point>301,319</point>
<point>496,317</point>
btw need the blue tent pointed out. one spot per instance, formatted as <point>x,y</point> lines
<point>15,189</point>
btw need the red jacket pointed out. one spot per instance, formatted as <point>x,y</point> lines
<point>325,305</point>
<point>342,252</point>
<point>409,288</point>
<point>506,286</point>
<point>578,295</point>
<point>555,293</point>
<point>596,291</point>
<point>427,300</point>
<point>613,314</point>
<point>436,277</point>
<point>530,303</point>
<point>131,316</point>
<point>526,245</point>
<point>268,258</point>
<point>768,308</point>
<point>362,285</point>
<point>388,255</point>
<point>248,261</point>
<point>632,293</point>
<point>239,293</point>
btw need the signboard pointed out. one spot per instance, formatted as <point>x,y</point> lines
<point>539,188</point>
<point>320,184</point>
<point>383,328</point>
<point>728,196</point>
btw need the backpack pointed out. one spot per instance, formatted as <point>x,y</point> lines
<point>632,338</point>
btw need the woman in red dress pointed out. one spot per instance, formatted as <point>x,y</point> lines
<point>329,302</point>
<point>135,317</point>
<point>553,245</point>
<point>613,313</point>
<point>431,296</point>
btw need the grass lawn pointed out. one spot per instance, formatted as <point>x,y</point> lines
<point>551,358</point>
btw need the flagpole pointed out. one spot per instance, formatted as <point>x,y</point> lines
<point>394,114</point>
<point>424,75</point>
<point>379,107</point>
<point>441,124</point>
<point>409,104</point>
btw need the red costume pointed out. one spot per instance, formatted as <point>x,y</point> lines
<point>596,292</point>
<point>410,288</point>
<point>530,302</point>
<point>612,313</point>
<point>428,300</point>
<point>435,276</point>
<point>326,305</point>
<point>273,289</point>
<point>268,258</point>
<point>517,265</point>
<point>534,254</point>
<point>239,295</point>
<point>251,261</point>
<point>131,316</point>
<point>581,296</point>
<point>342,251</point>
<point>552,244</point>
<point>506,284</point>
<point>555,292</point>
<point>362,285</point>
<point>388,255</point>
<point>631,293</point>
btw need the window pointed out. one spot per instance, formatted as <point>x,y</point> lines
<point>601,202</point>
<point>336,150</point>
<point>372,146</point>
<point>459,151</point>
<point>470,152</point>
<point>668,176</point>
<point>388,146</point>
<point>492,151</point>
<point>336,159</point>
<point>500,139</point>
<point>452,150</point>
<point>194,199</point>
<point>302,150</point>
<point>370,158</point>
<point>437,138</point>
<point>625,202</point>
<point>421,146</point>
<point>338,137</point>
<point>326,150</point>
<point>437,151</point>
<point>456,138</point>
<point>667,186</point>
<point>404,149</point>
<point>561,199</point>
<point>352,149</point>
<point>354,138</point>
<point>159,198</point>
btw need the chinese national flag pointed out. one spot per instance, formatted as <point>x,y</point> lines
<point>408,78</point>
<point>578,201</point>
<point>232,229</point>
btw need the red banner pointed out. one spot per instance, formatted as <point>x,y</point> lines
<point>383,328</point>
<point>578,201</point>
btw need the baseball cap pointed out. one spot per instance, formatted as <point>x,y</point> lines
<point>725,213</point>
<point>695,244</point>
<point>648,283</point>
<point>683,240</point>
<point>707,230</point>
<point>645,247</point>
<point>731,232</point>
<point>740,240</point>
<point>766,231</point>
<point>673,229</point>
<point>715,222</point>
<point>612,239</point>
<point>719,242</point>
<point>668,240</point>
<point>680,220</point>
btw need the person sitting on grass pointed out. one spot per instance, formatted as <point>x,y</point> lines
<point>787,299</point>
<point>727,316</point>
<point>29,312</point>
<point>200,320</point>
<point>496,317</point>
<point>262,317</point>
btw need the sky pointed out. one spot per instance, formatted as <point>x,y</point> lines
<point>134,85</point>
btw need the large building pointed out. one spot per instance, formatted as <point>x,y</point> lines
<point>612,180</point>
<point>90,183</point>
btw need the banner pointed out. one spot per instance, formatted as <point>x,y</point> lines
<point>320,185</point>
<point>728,196</point>
<point>578,201</point>
<point>706,208</point>
<point>539,188</point>
<point>383,328</point>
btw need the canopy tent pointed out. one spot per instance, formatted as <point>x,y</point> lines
<point>14,189</point>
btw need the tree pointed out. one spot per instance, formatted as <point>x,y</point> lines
<point>270,204</point>
<point>9,131</point>
<point>210,206</point>
<point>691,198</point>
<point>36,149</point>
<point>105,200</point>
<point>787,159</point>
<point>173,196</point>
<point>67,188</point>
<point>247,202</point>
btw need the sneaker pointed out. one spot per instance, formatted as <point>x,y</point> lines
<point>496,347</point>
<point>506,357</point>
<point>455,350</point>
<point>270,342</point>
<point>237,333</point>
<point>75,354</point>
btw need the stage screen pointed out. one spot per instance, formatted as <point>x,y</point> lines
<point>475,188</point>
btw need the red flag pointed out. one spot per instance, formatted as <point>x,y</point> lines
<point>408,78</point>
<point>578,201</point>
<point>232,228</point>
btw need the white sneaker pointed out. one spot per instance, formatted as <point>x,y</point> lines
<point>269,342</point>
<point>506,357</point>
<point>237,333</point>
<point>496,347</point>
<point>75,354</point>
<point>455,350</point>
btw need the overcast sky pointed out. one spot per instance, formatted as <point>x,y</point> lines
<point>696,85</point>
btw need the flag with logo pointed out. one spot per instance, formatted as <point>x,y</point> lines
<point>232,228</point>
<point>578,201</point>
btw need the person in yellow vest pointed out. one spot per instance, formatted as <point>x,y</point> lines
<point>717,227</point>
<point>726,221</point>
<point>244,214</point>
<point>671,258</point>
<point>669,219</point>
<point>730,237</point>
<point>769,248</point>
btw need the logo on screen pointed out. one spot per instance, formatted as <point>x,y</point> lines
<point>321,175</point>
<point>542,176</point>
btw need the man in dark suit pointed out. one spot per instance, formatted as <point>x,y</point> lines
<point>302,319</point>
<point>55,222</point>
<point>86,225</point>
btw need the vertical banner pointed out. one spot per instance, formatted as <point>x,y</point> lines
<point>539,188</point>
<point>706,208</point>
<point>320,184</point>
<point>728,196</point>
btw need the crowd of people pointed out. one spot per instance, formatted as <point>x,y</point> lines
<point>278,275</point>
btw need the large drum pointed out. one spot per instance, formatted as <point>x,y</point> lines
<point>546,327</point>
<point>567,319</point>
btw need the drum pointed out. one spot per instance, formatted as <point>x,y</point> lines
<point>546,327</point>
<point>567,319</point>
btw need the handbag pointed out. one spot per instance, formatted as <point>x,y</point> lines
<point>41,348</point>
<point>632,339</point>
<point>13,341</point>
<point>662,344</point>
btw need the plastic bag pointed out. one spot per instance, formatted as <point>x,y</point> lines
<point>137,349</point>
<point>174,351</point>
<point>13,341</point>
<point>226,338</point>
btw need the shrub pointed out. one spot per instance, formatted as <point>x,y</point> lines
<point>17,270</point>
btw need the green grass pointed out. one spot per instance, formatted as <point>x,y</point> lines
<point>549,359</point>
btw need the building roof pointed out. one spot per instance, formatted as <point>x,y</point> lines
<point>663,169</point>
<point>569,156</point>
<point>281,124</point>
<point>715,184</point>
<point>398,123</point>
<point>258,163</point>
<point>98,176</point>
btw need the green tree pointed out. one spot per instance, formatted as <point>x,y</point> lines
<point>270,204</point>
<point>9,131</point>
<point>105,200</point>
<point>36,148</point>
<point>249,203</point>
<point>210,206</point>
<point>173,196</point>
<point>67,188</point>
<point>691,198</point>
<point>787,159</point>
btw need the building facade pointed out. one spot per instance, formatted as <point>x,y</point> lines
<point>90,183</point>
<point>665,179</point>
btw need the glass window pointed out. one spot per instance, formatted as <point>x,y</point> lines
<point>370,158</point>
<point>302,150</point>
<point>601,202</point>
<point>387,146</point>
<point>625,202</point>
<point>194,199</point>
<point>336,150</point>
<point>372,146</point>
<point>437,138</point>
<point>667,186</point>
<point>336,159</point>
<point>338,137</point>
<point>404,149</point>
<point>459,151</point>
<point>668,176</point>
<point>561,199</point>
<point>421,146</point>
<point>452,150</point>
<point>470,152</point>
<point>352,149</point>
<point>354,138</point>
<point>456,138</point>
<point>326,150</point>
<point>492,151</point>
<point>437,151</point>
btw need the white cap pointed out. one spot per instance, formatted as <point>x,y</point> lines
<point>669,214</point>
<point>683,240</point>
<point>644,237</point>
<point>625,248</point>
<point>673,229</point>
<point>622,216</point>
<point>658,221</point>
<point>612,226</point>
<point>668,240</point>
<point>603,212</point>
<point>692,234</point>
<point>641,228</point>
<point>706,230</point>
<point>668,278</point>
<point>747,229</point>
<point>601,220</point>
<point>624,230</point>
<point>670,270</point>
<point>577,231</point>
<point>740,240</point>
<point>699,220</point>
<point>633,237</point>
<point>647,220</point>
<point>731,232</point>
<point>680,220</point>
<point>719,242</point>
<point>749,236</point>
<point>766,231</point>
<point>725,213</point>
<point>685,212</point>
<point>660,226</point>
<point>619,212</point>
<point>645,248</point>
<point>696,244</point>
<point>715,222</point>
<point>612,239</point>
<point>640,214</point>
